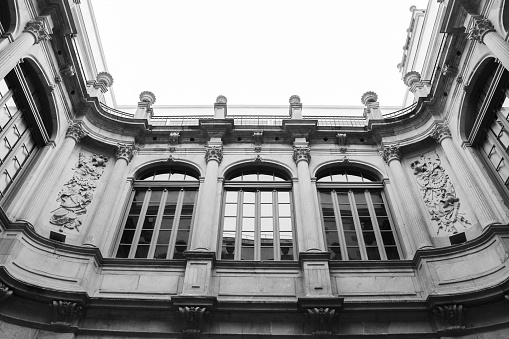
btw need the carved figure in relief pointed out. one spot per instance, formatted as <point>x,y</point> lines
<point>78,192</point>
<point>439,194</point>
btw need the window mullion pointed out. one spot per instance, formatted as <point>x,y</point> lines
<point>357,223</point>
<point>124,219</point>
<point>339,225</point>
<point>176,222</point>
<point>139,226</point>
<point>376,227</point>
<point>6,97</point>
<point>275,227</point>
<point>157,225</point>
<point>257,233</point>
<point>392,224</point>
<point>238,227</point>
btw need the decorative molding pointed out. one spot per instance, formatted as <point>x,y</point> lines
<point>78,192</point>
<point>440,132</point>
<point>193,319</point>
<point>75,131</point>
<point>124,151</point>
<point>38,30</point>
<point>322,319</point>
<point>214,153</point>
<point>258,138</point>
<point>68,71</point>
<point>482,26</point>
<point>451,317</point>
<point>148,97</point>
<point>301,153</point>
<point>341,142</point>
<point>439,195</point>
<point>65,313</point>
<point>449,71</point>
<point>5,292</point>
<point>174,138</point>
<point>390,153</point>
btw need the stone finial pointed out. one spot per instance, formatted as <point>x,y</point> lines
<point>65,313</point>
<point>38,30</point>
<point>369,97</point>
<point>440,132</point>
<point>322,319</point>
<point>411,78</point>
<point>75,131</point>
<point>214,153</point>
<point>221,99</point>
<point>482,26</point>
<point>124,151</point>
<point>390,153</point>
<point>294,99</point>
<point>452,317</point>
<point>105,78</point>
<point>193,319</point>
<point>148,97</point>
<point>301,153</point>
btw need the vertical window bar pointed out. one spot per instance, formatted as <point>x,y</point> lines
<point>238,233</point>
<point>157,225</point>
<point>339,225</point>
<point>376,227</point>
<point>139,225</point>
<point>357,223</point>
<point>176,222</point>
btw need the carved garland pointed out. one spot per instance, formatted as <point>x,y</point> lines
<point>439,195</point>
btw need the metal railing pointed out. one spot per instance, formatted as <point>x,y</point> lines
<point>401,112</point>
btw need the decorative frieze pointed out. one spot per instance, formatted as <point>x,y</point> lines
<point>65,313</point>
<point>78,192</point>
<point>440,132</point>
<point>482,26</point>
<point>193,319</point>
<point>75,131</point>
<point>450,317</point>
<point>322,319</point>
<point>214,153</point>
<point>124,151</point>
<point>5,292</point>
<point>301,153</point>
<point>390,153</point>
<point>439,195</point>
<point>38,30</point>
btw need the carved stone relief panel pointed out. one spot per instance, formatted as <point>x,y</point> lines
<point>439,195</point>
<point>78,192</point>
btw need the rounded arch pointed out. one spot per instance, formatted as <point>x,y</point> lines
<point>278,167</point>
<point>504,16</point>
<point>8,15</point>
<point>355,165</point>
<point>155,165</point>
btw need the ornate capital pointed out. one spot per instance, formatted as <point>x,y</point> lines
<point>75,131</point>
<point>482,26</point>
<point>322,319</point>
<point>301,153</point>
<point>450,316</point>
<point>5,292</point>
<point>440,132</point>
<point>193,319</point>
<point>38,30</point>
<point>65,313</point>
<point>124,151</point>
<point>214,153</point>
<point>390,153</point>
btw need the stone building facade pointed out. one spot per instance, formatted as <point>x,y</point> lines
<point>135,224</point>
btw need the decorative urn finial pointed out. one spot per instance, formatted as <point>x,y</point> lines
<point>369,97</point>
<point>411,78</point>
<point>148,97</point>
<point>294,99</point>
<point>105,78</point>
<point>221,99</point>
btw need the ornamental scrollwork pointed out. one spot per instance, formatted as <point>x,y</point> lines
<point>78,192</point>
<point>440,132</point>
<point>481,27</point>
<point>65,313</point>
<point>452,316</point>
<point>193,319</point>
<point>322,319</point>
<point>124,151</point>
<point>439,195</point>
<point>302,153</point>
<point>75,131</point>
<point>38,30</point>
<point>214,153</point>
<point>389,153</point>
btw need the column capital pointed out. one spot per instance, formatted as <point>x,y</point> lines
<point>482,26</point>
<point>124,151</point>
<point>301,153</point>
<point>390,153</point>
<point>440,132</point>
<point>38,30</point>
<point>214,153</point>
<point>75,131</point>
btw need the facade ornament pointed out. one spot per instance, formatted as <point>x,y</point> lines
<point>459,79</point>
<point>193,319</point>
<point>38,30</point>
<point>146,96</point>
<point>170,158</point>
<point>258,149</point>
<point>58,78</point>
<point>104,78</point>
<point>440,132</point>
<point>482,26</point>
<point>341,142</point>
<point>5,292</point>
<point>174,138</point>
<point>68,71</point>
<point>369,97</point>
<point>258,138</point>
<point>78,192</point>
<point>449,71</point>
<point>124,151</point>
<point>451,317</point>
<point>301,153</point>
<point>75,131</point>
<point>294,99</point>
<point>439,195</point>
<point>322,319</point>
<point>411,78</point>
<point>221,99</point>
<point>390,153</point>
<point>65,313</point>
<point>214,153</point>
<point>172,149</point>
<point>258,158</point>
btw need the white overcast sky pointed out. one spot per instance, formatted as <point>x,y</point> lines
<point>255,52</point>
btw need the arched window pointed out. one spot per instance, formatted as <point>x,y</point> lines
<point>257,216</point>
<point>158,222</point>
<point>356,222</point>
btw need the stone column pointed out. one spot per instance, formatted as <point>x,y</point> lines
<point>484,33</point>
<point>310,232</point>
<point>412,216</point>
<point>204,227</point>
<point>103,215</point>
<point>34,32</point>
<point>482,210</point>
<point>37,200</point>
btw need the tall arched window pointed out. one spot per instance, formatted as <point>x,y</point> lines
<point>257,216</point>
<point>158,222</point>
<point>356,221</point>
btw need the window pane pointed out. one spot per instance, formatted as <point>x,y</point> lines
<point>335,251</point>
<point>267,224</point>
<point>376,197</point>
<point>167,223</point>
<point>286,252</point>
<point>354,253</point>
<point>373,253</point>
<point>283,197</point>
<point>229,223</point>
<point>231,196</point>
<point>248,224</point>
<point>131,222</point>
<point>284,210</point>
<point>177,177</point>
<point>164,176</point>
<point>187,210</point>
<point>266,197</point>
<point>189,197</point>
<point>230,209</point>
<point>343,198</point>
<point>185,223</point>
<point>248,210</point>
<point>141,251</point>
<point>354,177</point>
<point>267,253</point>
<point>351,238</point>
<point>285,224</point>
<point>149,223</point>
<point>348,224</point>
<point>160,252</point>
<point>164,237</point>
<point>249,197</point>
